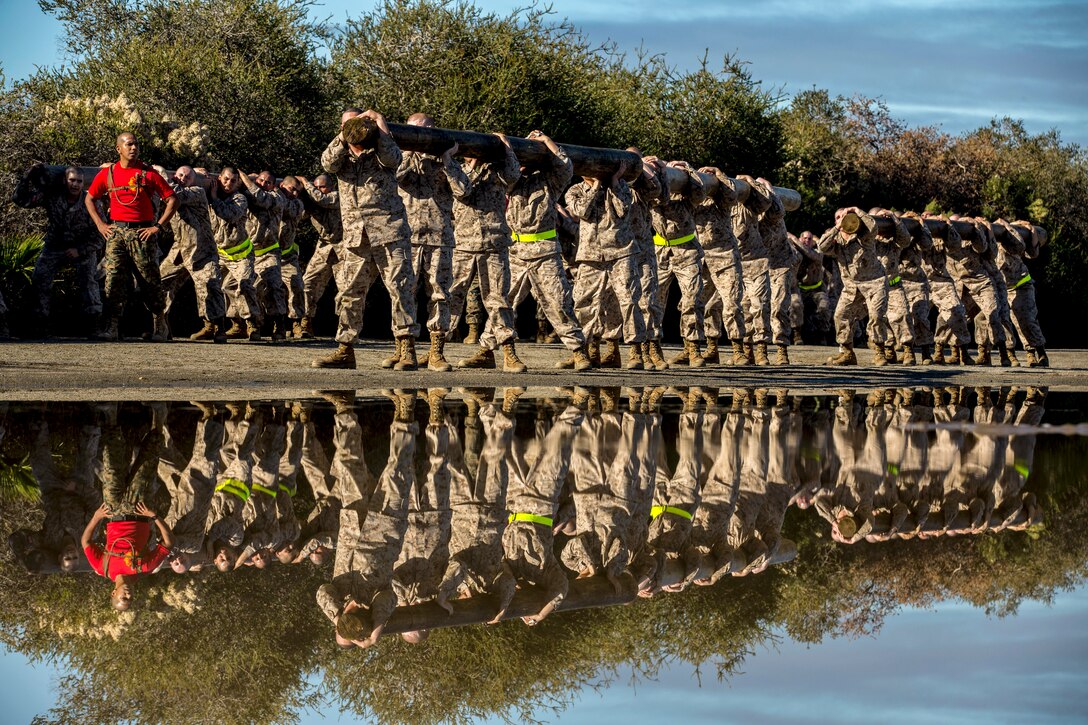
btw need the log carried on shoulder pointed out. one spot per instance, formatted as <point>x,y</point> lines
<point>939,228</point>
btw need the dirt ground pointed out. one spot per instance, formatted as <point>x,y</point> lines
<point>75,370</point>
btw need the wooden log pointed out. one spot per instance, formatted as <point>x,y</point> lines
<point>678,182</point>
<point>591,592</point>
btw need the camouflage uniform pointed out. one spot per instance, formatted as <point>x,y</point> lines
<point>899,320</point>
<point>483,247</point>
<point>1001,292</point>
<point>973,284</point>
<point>862,461</point>
<point>324,212</point>
<point>645,190</point>
<point>755,265</point>
<point>428,186</point>
<point>781,257</point>
<point>323,522</point>
<point>951,316</point>
<point>797,305</point>
<point>68,226</point>
<point>235,256</point>
<point>290,265</point>
<point>721,466</point>
<point>916,285</point>
<point>812,280</point>
<point>260,514</point>
<point>191,483</point>
<point>377,239</point>
<point>865,285</point>
<point>127,255</point>
<point>194,254</point>
<point>723,288</point>
<point>606,290</point>
<point>128,467</point>
<point>263,228</point>
<point>225,524</point>
<point>680,255</point>
<point>1021,287</point>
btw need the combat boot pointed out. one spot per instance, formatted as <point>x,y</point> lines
<point>889,353</point>
<point>593,348</point>
<point>296,329</point>
<point>253,328</point>
<point>609,398</point>
<point>739,358</point>
<point>404,404</point>
<point>1041,359</point>
<point>306,328</point>
<point>846,356</point>
<point>578,360</point>
<point>279,328</point>
<point>962,356</point>
<point>160,331</point>
<point>343,357</point>
<point>908,356</point>
<point>694,354</point>
<point>393,359</point>
<point>1004,359</point>
<point>983,359</point>
<point>879,359</point>
<point>510,399</point>
<point>634,358</point>
<point>543,329</point>
<point>237,329</point>
<point>783,356</point>
<point>407,354</point>
<point>938,355</point>
<point>749,354</point>
<point>655,355</point>
<point>208,332</point>
<point>473,336</point>
<point>797,336</point>
<point>483,359</point>
<point>610,356</point>
<point>343,401</point>
<point>711,355</point>
<point>436,356</point>
<point>647,362</point>
<point>927,359</point>
<point>511,363</point>
<point>436,410</point>
<point>111,331</point>
<point>1013,360</point>
<point>760,350</point>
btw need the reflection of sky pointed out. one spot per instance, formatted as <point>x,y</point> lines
<point>935,62</point>
<point>951,664</point>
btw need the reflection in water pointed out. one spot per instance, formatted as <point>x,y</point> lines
<point>434,510</point>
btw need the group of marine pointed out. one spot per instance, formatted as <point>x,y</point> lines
<point>599,256</point>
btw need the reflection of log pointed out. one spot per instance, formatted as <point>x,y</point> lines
<point>587,593</point>
<point>678,182</point>
<point>674,570</point>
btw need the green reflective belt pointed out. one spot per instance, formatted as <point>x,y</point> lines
<point>236,487</point>
<point>658,510</point>
<point>537,237</point>
<point>266,250</point>
<point>893,469</point>
<point>264,489</point>
<point>811,454</point>
<point>895,280</point>
<point>810,287</point>
<point>662,242</point>
<point>289,250</point>
<point>1022,469</point>
<point>289,491</point>
<point>1023,280</point>
<point>531,518</point>
<point>240,251</point>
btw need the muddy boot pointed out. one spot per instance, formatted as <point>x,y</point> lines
<point>511,363</point>
<point>483,359</point>
<point>846,356</point>
<point>711,355</point>
<point>593,349</point>
<point>160,331</point>
<point>394,358</point>
<point>610,356</point>
<point>306,328</point>
<point>634,357</point>
<point>237,329</point>
<point>655,355</point>
<point>938,355</point>
<point>749,354</point>
<point>760,350</point>
<point>436,356</point>
<point>927,359</point>
<point>1041,359</point>
<point>279,328</point>
<point>253,330</point>
<point>407,360</point>
<point>436,409</point>
<point>983,359</point>
<point>473,336</point>
<point>1013,360</point>
<point>783,356</point>
<point>111,330</point>
<point>739,358</point>
<point>344,358</point>
<point>1004,359</point>
<point>908,356</point>
<point>205,333</point>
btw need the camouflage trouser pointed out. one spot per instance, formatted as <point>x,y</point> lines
<point>239,289</point>
<point>757,300</point>
<point>191,484</point>
<point>781,287</point>
<point>899,320</point>
<point>128,469</point>
<point>291,276</point>
<point>548,281</point>
<point>319,270</point>
<point>127,257</point>
<point>951,315</point>
<point>1004,312</point>
<point>723,294</point>
<point>433,268</point>
<point>1025,315</point>
<point>357,269</point>
<point>49,263</point>
<point>475,312</point>
<point>492,271</point>
<point>204,272</point>
<point>980,301</point>
<point>856,298</point>
<point>607,300</point>
<point>797,308</point>
<point>653,309</point>
<point>268,281</point>
<point>817,324</point>
<point>918,311</point>
<point>684,263</point>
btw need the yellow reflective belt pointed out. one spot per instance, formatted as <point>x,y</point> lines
<point>658,510</point>
<point>289,491</point>
<point>292,248</point>
<point>893,469</point>
<point>1023,280</point>
<point>537,237</point>
<point>234,486</point>
<point>238,252</point>
<point>810,287</point>
<point>895,280</point>
<point>1022,469</point>
<point>662,242</point>
<point>531,518</point>
<point>263,489</point>
<point>266,250</point>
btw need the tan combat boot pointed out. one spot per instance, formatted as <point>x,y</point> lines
<point>407,354</point>
<point>296,329</point>
<point>237,329</point>
<point>436,356</point>
<point>760,350</point>
<point>205,333</point>
<point>879,358</point>
<point>253,330</point>
<point>712,355</point>
<point>983,359</point>
<point>306,328</point>
<point>927,358</point>
<point>783,356</point>
<point>938,355</point>
<point>160,331</point>
<point>889,353</point>
<point>647,361</point>
<point>511,363</point>
<point>1013,360</point>
<point>344,357</point>
<point>473,336</point>
<point>695,355</point>
<point>483,359</point>
<point>962,356</point>
<point>436,410</point>
<point>797,340</point>
<point>111,331</point>
<point>404,404</point>
<point>393,359</point>
<point>610,356</point>
<point>908,356</point>
<point>739,358</point>
<point>1004,357</point>
<point>846,356</point>
<point>749,353</point>
<point>593,348</point>
<point>343,401</point>
<point>655,355</point>
<point>1041,358</point>
<point>279,328</point>
<point>634,357</point>
<point>578,360</point>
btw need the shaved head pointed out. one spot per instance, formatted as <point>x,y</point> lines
<point>421,119</point>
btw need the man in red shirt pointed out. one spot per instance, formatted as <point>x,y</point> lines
<point>126,554</point>
<point>131,233</point>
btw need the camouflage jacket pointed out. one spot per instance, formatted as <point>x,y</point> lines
<point>912,268</point>
<point>68,225</point>
<point>324,212</point>
<point>265,211</point>
<point>964,258</point>
<point>192,225</point>
<point>746,224</point>
<point>531,205</point>
<point>645,190</point>
<point>604,232</point>
<point>293,209</point>
<point>772,230</point>
<point>428,186</point>
<point>1010,256</point>
<point>370,205</point>
<point>480,218</point>
<point>856,253</point>
<point>890,250</point>
<point>229,220</point>
<point>673,215</point>
<point>713,220</point>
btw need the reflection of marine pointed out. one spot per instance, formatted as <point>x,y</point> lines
<point>848,501</point>
<point>261,515</point>
<point>191,482</point>
<point>224,526</point>
<point>319,533</point>
<point>721,466</point>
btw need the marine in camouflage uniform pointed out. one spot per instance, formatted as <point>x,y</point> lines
<point>755,265</point>
<point>722,459</point>
<point>916,288</point>
<point>723,288</point>
<point>645,189</point>
<point>319,532</point>
<point>377,243</point>
<point>229,212</point>
<point>976,288</point>
<point>70,238</point>
<point>812,281</point>
<point>322,203</point>
<point>265,212</point>
<point>191,483</point>
<point>290,264</point>
<point>989,261</point>
<point>262,534</point>
<point>225,528</point>
<point>951,328</point>
<point>781,258</point>
<point>900,322</point>
<point>1011,254</point>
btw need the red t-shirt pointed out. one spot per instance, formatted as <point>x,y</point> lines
<point>133,203</point>
<point>123,538</point>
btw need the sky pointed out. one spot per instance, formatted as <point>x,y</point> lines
<point>953,63</point>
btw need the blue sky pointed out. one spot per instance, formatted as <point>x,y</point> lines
<point>956,63</point>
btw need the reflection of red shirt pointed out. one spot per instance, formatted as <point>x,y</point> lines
<point>123,538</point>
<point>132,203</point>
